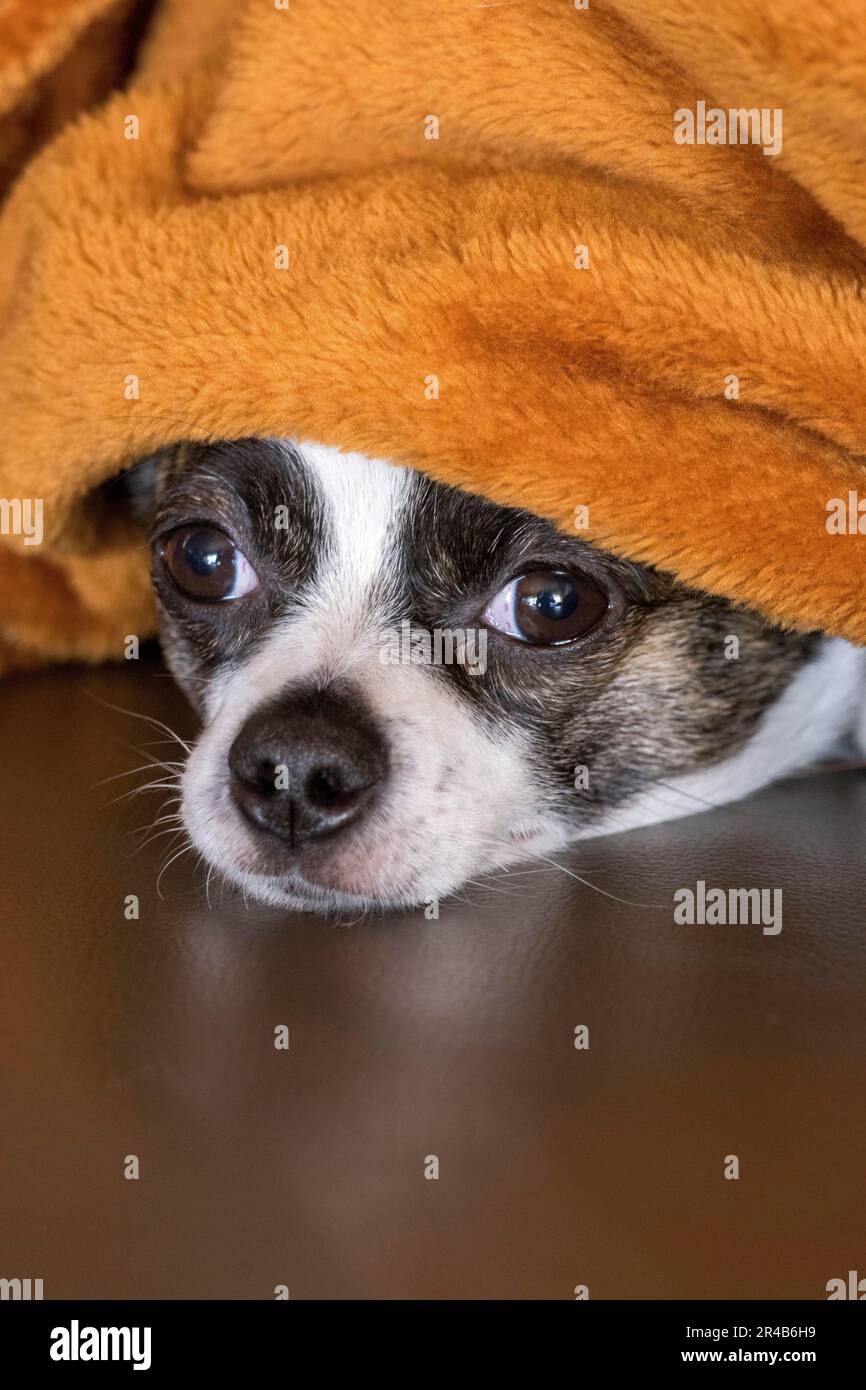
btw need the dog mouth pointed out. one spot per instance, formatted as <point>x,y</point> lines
<point>369,873</point>
<point>377,869</point>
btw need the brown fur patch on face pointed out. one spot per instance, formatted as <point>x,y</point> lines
<point>666,699</point>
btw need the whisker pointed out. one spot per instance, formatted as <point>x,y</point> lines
<point>160,820</point>
<point>184,850</point>
<point>543,858</point>
<point>145,767</point>
<point>135,714</point>
<point>138,791</point>
<point>170,830</point>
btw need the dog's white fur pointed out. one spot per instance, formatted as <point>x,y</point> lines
<point>456,804</point>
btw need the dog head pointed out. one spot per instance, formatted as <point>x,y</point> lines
<point>403,686</point>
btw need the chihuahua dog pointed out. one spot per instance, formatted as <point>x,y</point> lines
<point>350,759</point>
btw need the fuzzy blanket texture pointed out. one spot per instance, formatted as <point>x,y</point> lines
<point>524,245</point>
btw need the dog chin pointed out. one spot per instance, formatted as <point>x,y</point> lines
<point>296,894</point>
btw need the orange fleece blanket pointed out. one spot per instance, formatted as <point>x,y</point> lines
<point>604,260</point>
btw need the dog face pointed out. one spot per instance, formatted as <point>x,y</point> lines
<point>349,758</point>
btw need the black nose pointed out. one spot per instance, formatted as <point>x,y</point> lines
<point>304,767</point>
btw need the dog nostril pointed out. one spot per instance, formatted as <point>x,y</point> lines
<point>263,778</point>
<point>325,787</point>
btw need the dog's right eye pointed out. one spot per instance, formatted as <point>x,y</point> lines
<point>205,564</point>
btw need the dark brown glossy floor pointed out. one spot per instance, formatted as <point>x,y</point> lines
<point>411,1038</point>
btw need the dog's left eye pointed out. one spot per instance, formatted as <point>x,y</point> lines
<point>206,564</point>
<point>546,607</point>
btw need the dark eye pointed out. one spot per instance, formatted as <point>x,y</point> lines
<point>547,607</point>
<point>205,564</point>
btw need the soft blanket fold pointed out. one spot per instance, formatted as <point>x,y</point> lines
<point>461,236</point>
